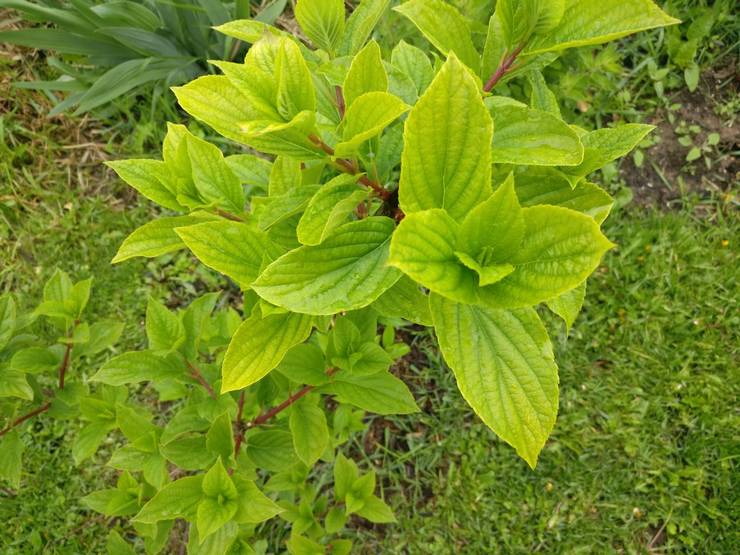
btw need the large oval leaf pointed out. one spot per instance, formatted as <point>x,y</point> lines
<point>505,369</point>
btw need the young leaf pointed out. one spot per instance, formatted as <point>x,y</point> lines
<point>561,248</point>
<point>381,393</point>
<point>259,345</point>
<point>326,278</point>
<point>446,162</point>
<point>345,475</point>
<point>329,208</point>
<point>531,137</point>
<point>220,437</point>
<point>148,177</point>
<point>366,74</point>
<point>605,145</point>
<point>322,21</point>
<point>360,25</point>
<point>164,329</point>
<point>157,237</point>
<point>367,117</point>
<point>213,514</point>
<point>413,63</point>
<point>309,430</point>
<point>444,27</point>
<point>295,91</point>
<point>493,230</point>
<point>505,369</point>
<point>404,300</point>
<point>376,510</point>
<point>424,246</point>
<point>550,188</point>
<point>135,367</point>
<point>177,499</point>
<point>217,482</point>
<point>212,176</point>
<point>283,139</point>
<point>304,364</point>
<point>253,506</point>
<point>233,248</point>
<point>568,305</point>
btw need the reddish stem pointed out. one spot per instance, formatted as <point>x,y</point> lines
<point>22,419</point>
<point>198,376</point>
<point>348,166</point>
<point>238,426</point>
<point>64,365</point>
<point>340,101</point>
<point>503,68</point>
<point>228,215</point>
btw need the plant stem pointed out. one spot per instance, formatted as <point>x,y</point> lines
<point>22,419</point>
<point>239,426</point>
<point>503,68</point>
<point>228,215</point>
<point>348,166</point>
<point>198,376</point>
<point>340,101</point>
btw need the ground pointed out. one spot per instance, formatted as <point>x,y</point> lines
<point>644,454</point>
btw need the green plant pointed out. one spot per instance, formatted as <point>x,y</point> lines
<point>482,227</point>
<point>109,49</point>
<point>26,364</point>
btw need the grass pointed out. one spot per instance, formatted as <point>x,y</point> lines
<point>644,454</point>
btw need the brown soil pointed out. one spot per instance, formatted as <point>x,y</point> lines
<point>665,173</point>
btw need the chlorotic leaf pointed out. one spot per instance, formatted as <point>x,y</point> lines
<point>405,300</point>
<point>367,117</point>
<point>346,271</point>
<point>444,27</point>
<point>366,74</point>
<point>381,393</point>
<point>504,367</point>
<point>360,25</point>
<point>259,345</point>
<point>322,21</point>
<point>329,208</point>
<point>446,162</point>
<point>568,305</point>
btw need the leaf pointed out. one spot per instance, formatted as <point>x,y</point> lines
<point>424,246</point>
<point>404,300</point>
<point>444,27</point>
<point>11,453</point>
<point>488,273</point>
<point>212,176</point>
<point>345,474</point>
<point>136,367</point>
<point>14,384</point>
<point>530,137</point>
<point>366,74</point>
<point>220,437</point>
<point>177,499</point>
<point>568,305</point>
<point>505,369</point>
<point>217,482</point>
<point>213,515</point>
<point>259,345</point>
<point>605,145</point>
<point>279,209</point>
<point>8,314</point>
<point>346,271</point>
<point>304,364</point>
<point>309,430</point>
<point>271,449</point>
<point>156,238</point>
<point>188,453</point>
<point>112,502</point>
<point>283,139</point>
<point>586,23</point>
<point>250,169</point>
<point>116,545</point>
<point>285,175</point>
<point>493,230</point>
<point>148,177</point>
<point>295,88</point>
<point>89,439</point>
<point>164,330</point>
<point>376,510</point>
<point>216,101</point>
<point>322,21</point>
<point>35,360</point>
<point>380,393</point>
<point>561,248</point>
<point>367,117</point>
<point>548,188</point>
<point>413,63</point>
<point>541,97</point>
<point>329,208</point>
<point>235,249</point>
<point>360,25</point>
<point>446,162</point>
<point>253,506</point>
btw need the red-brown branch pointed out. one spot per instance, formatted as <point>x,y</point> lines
<point>196,374</point>
<point>239,426</point>
<point>20,420</point>
<point>348,166</point>
<point>228,215</point>
<point>340,101</point>
<point>64,365</point>
<point>503,68</point>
